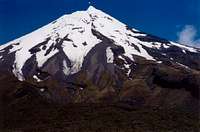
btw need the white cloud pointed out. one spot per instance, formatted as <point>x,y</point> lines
<point>188,36</point>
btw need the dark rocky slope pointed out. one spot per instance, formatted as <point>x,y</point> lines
<point>158,97</point>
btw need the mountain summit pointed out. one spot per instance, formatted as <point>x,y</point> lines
<point>89,56</point>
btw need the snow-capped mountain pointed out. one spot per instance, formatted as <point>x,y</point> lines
<point>74,36</point>
<point>88,70</point>
<point>91,45</point>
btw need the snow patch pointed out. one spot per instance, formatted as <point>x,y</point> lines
<point>159,62</point>
<point>166,46</point>
<point>191,49</point>
<point>17,72</point>
<point>66,70</point>
<point>36,78</point>
<point>184,51</point>
<point>42,90</point>
<point>182,65</point>
<point>109,55</point>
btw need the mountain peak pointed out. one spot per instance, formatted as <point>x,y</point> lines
<point>91,8</point>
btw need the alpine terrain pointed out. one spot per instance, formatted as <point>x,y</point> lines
<point>92,60</point>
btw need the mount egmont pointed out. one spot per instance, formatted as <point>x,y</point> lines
<point>89,56</point>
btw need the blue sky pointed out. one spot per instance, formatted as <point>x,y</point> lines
<point>170,19</point>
